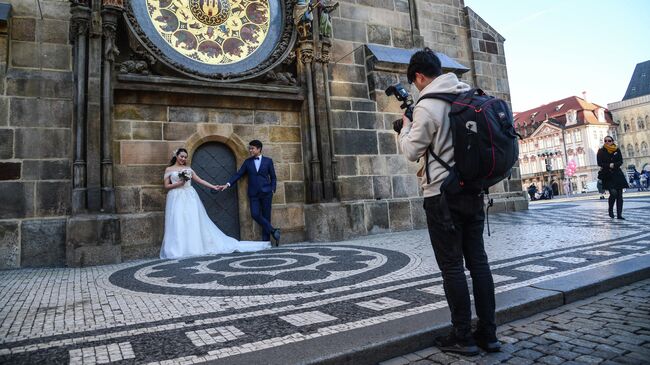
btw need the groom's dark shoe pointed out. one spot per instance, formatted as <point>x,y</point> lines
<point>276,236</point>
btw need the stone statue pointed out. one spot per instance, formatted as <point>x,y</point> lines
<point>325,25</point>
<point>303,17</point>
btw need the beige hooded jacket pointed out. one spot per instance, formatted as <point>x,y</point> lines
<point>430,126</point>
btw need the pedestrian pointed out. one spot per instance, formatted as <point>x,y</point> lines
<point>532,190</point>
<point>636,176</point>
<point>646,173</point>
<point>455,222</point>
<point>567,187</point>
<point>610,159</point>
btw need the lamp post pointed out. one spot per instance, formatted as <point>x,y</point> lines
<point>566,157</point>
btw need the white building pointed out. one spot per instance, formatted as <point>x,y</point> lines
<point>558,132</point>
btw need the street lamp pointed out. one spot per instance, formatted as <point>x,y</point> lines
<point>566,157</point>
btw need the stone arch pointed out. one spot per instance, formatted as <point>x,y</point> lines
<point>224,134</point>
<point>644,148</point>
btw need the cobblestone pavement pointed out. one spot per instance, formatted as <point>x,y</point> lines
<point>215,307</point>
<point>610,328</point>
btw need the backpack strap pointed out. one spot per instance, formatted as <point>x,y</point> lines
<point>450,98</point>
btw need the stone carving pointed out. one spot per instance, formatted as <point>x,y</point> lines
<point>115,3</point>
<point>303,17</point>
<point>280,78</point>
<point>325,26</point>
<point>134,67</point>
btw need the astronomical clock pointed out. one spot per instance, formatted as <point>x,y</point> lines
<point>226,40</point>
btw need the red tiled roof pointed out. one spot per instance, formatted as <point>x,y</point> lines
<point>586,112</point>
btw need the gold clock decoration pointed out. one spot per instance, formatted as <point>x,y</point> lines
<point>214,32</point>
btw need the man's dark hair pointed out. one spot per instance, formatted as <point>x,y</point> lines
<point>255,143</point>
<point>425,62</point>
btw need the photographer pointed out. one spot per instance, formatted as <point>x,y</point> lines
<point>455,221</point>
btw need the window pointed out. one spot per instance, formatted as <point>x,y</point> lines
<point>558,107</point>
<point>571,117</point>
<point>568,137</point>
<point>644,149</point>
<point>601,114</point>
<point>581,159</point>
<point>630,150</point>
<point>640,124</point>
<point>556,140</point>
<point>578,136</point>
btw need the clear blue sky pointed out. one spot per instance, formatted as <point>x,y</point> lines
<point>559,48</point>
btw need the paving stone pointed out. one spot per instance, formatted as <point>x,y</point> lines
<point>529,354</point>
<point>551,360</point>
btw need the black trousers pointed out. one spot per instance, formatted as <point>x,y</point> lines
<point>452,248</point>
<point>615,196</point>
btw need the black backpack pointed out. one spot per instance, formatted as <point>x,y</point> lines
<point>484,139</point>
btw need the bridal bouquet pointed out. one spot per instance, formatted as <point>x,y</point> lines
<point>185,174</point>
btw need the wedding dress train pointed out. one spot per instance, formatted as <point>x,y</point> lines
<point>190,232</point>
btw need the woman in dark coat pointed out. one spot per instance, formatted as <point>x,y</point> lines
<point>610,160</point>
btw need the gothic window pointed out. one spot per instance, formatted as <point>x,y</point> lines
<point>640,124</point>
<point>644,149</point>
<point>636,147</point>
<point>630,150</point>
<point>626,127</point>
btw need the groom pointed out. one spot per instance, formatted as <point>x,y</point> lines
<point>261,186</point>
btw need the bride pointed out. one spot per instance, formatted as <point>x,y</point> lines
<point>188,229</point>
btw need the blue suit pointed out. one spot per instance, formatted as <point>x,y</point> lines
<point>261,186</point>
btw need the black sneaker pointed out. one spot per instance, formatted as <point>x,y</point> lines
<point>451,343</point>
<point>489,343</point>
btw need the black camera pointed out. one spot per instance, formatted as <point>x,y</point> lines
<point>407,103</point>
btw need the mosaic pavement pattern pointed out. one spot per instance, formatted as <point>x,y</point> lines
<point>214,307</point>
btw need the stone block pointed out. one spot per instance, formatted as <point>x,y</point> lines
<point>346,165</point>
<point>122,129</point>
<point>43,243</point>
<point>54,31</point>
<point>362,105</point>
<point>289,217</point>
<point>6,143</point>
<point>53,198</point>
<point>344,119</point>
<point>147,130</point>
<point>50,84</point>
<point>178,131</point>
<point>189,115</point>
<point>233,117</point>
<point>25,54</point>
<point>17,199</point>
<point>370,121</point>
<point>140,112</point>
<point>55,10</point>
<point>153,199</point>
<point>29,143</point>
<point>23,29</point>
<point>387,143</point>
<point>291,153</point>
<point>386,4</point>
<point>296,172</point>
<point>127,199</point>
<point>376,217</point>
<point>285,134</point>
<point>400,215</point>
<point>337,104</point>
<point>355,142</point>
<point>4,105</point>
<point>348,73</point>
<point>350,90</point>
<point>294,192</point>
<point>325,222</point>
<point>9,245</point>
<point>142,229</point>
<point>355,215</point>
<point>378,34</point>
<point>138,175</point>
<point>402,38</point>
<point>145,251</point>
<point>249,133</point>
<point>343,51</point>
<point>10,170</point>
<point>355,188</point>
<point>397,164</point>
<point>265,117</point>
<point>349,30</point>
<point>147,152</point>
<point>387,104</point>
<point>290,118</point>
<point>278,196</point>
<point>24,8</point>
<point>93,240</point>
<point>381,187</point>
<point>56,56</point>
<point>405,186</point>
<point>372,165</point>
<point>282,171</point>
<point>418,215</point>
<point>36,112</point>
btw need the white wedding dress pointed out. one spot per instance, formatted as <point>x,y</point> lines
<point>190,232</point>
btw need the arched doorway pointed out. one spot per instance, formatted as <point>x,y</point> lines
<point>215,163</point>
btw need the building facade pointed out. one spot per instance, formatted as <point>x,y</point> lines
<point>556,133</point>
<point>632,115</point>
<point>95,96</point>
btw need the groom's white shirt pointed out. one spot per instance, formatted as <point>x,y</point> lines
<point>258,162</point>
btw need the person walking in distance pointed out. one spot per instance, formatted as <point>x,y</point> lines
<point>462,240</point>
<point>610,159</point>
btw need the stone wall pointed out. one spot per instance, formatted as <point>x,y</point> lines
<point>635,113</point>
<point>36,91</point>
<point>148,126</point>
